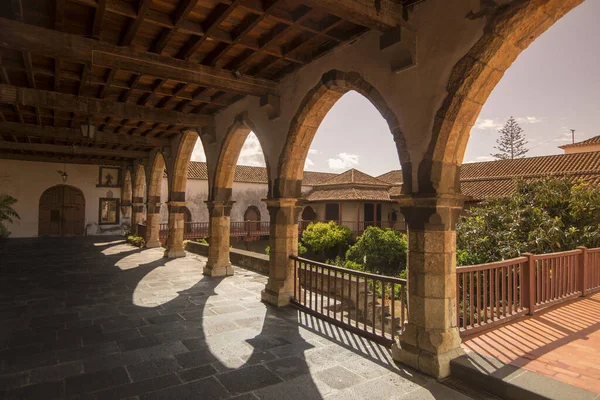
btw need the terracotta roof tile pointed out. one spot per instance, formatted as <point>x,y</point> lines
<point>249,174</point>
<point>393,177</point>
<point>589,142</point>
<point>348,194</point>
<point>353,177</point>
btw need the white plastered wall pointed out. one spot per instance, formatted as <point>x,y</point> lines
<point>27,180</point>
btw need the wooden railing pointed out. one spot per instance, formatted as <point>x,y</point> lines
<point>491,294</point>
<point>371,305</point>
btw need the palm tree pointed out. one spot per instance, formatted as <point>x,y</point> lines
<point>7,213</point>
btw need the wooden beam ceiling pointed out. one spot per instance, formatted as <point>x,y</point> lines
<point>61,159</point>
<point>75,150</point>
<point>91,106</point>
<point>51,43</point>
<point>379,15</point>
<point>15,129</point>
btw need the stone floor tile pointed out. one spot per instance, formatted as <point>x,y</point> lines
<point>339,377</point>
<point>137,388</point>
<point>196,373</point>
<point>289,367</point>
<point>94,381</point>
<point>247,379</point>
<point>56,372</point>
<point>208,388</point>
<point>151,369</point>
<point>46,390</point>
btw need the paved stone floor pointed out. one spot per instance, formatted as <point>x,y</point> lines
<point>562,342</point>
<point>95,318</point>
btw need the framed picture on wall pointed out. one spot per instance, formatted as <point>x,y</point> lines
<point>109,177</point>
<point>108,211</point>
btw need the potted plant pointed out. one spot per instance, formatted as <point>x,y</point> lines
<point>7,213</point>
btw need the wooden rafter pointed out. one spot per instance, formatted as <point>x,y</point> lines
<point>75,150</point>
<point>380,15</point>
<point>98,16</point>
<point>56,44</point>
<point>184,8</point>
<point>74,135</point>
<point>62,159</point>
<point>91,106</point>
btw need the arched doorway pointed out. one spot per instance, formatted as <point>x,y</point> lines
<point>187,217</point>
<point>252,219</point>
<point>62,212</point>
<point>308,214</point>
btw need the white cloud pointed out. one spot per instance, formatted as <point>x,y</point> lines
<point>528,120</point>
<point>343,161</point>
<point>313,151</point>
<point>486,124</point>
<point>198,152</point>
<point>251,153</point>
<point>308,163</point>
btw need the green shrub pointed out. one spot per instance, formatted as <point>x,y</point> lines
<point>381,251</point>
<point>268,250</point>
<point>126,234</point>
<point>201,240</point>
<point>301,249</point>
<point>326,239</point>
<point>136,241</point>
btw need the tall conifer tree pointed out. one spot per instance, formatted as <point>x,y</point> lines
<point>511,143</point>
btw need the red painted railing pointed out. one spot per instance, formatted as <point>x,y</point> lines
<point>371,305</point>
<point>195,230</point>
<point>491,294</point>
<point>250,229</point>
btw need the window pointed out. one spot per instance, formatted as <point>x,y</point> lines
<point>109,211</point>
<point>332,212</point>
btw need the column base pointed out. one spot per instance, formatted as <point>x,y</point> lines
<point>226,270</point>
<point>276,299</point>
<point>174,253</point>
<point>436,365</point>
<point>153,244</point>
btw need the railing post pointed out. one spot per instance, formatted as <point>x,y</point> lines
<point>529,283</point>
<point>582,271</point>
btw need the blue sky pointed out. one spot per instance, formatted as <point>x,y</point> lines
<point>553,86</point>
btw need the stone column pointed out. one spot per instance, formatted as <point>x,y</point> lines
<point>176,226</point>
<point>152,222</point>
<point>431,338</point>
<point>219,226</point>
<point>137,214</point>
<point>284,243</point>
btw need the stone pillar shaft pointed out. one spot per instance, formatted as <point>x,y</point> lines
<point>284,243</point>
<point>431,338</point>
<point>137,214</point>
<point>176,227</point>
<point>218,263</point>
<point>152,224</point>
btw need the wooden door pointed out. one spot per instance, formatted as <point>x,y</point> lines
<point>62,212</point>
<point>252,219</point>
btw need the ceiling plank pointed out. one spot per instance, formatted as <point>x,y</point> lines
<point>75,150</point>
<point>83,50</point>
<point>134,26</point>
<point>74,135</point>
<point>379,15</point>
<point>98,16</point>
<point>91,106</point>
<point>61,160</point>
<point>185,7</point>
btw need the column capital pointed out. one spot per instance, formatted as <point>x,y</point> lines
<point>282,202</point>
<point>431,211</point>
<point>219,208</point>
<point>153,207</point>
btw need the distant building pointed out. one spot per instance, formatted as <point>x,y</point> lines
<point>585,146</point>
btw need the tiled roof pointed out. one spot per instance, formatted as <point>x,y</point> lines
<point>497,178</point>
<point>348,194</point>
<point>249,174</point>
<point>393,177</point>
<point>354,177</point>
<point>590,142</point>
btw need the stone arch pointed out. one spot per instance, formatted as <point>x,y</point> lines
<point>313,108</point>
<point>252,213</point>
<point>178,181</point>
<point>126,193</point>
<point>221,187</point>
<point>157,173</point>
<point>139,183</point>
<point>509,31</point>
<point>309,214</point>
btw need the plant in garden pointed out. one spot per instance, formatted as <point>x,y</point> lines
<point>327,239</point>
<point>136,241</point>
<point>382,251</point>
<point>541,217</point>
<point>7,213</point>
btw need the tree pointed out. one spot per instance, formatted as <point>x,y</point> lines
<point>7,213</point>
<point>382,251</point>
<point>543,216</point>
<point>511,142</point>
<point>327,239</point>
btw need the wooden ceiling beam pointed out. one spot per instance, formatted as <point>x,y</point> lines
<point>134,26</point>
<point>60,159</point>
<point>380,15</point>
<point>74,135</point>
<point>181,13</point>
<point>98,16</point>
<point>83,50</point>
<point>91,106</point>
<point>74,150</point>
